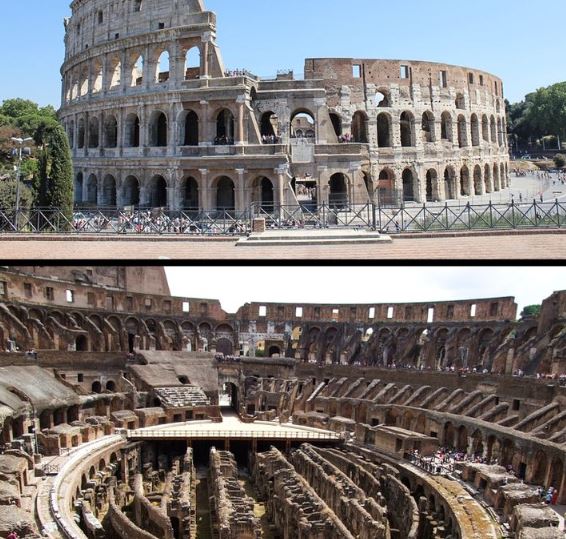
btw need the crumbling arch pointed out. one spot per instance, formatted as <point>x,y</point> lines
<point>485,128</point>
<point>158,192</point>
<point>269,124</point>
<point>428,127</point>
<point>487,179</point>
<point>432,193</point>
<point>114,72</point>
<point>478,181</point>
<point>446,127</point>
<point>407,125</point>
<point>384,130</point>
<point>162,68</point>
<point>360,127</point>
<point>465,182</point>
<point>158,129</point>
<point>303,124</point>
<point>460,102</point>
<point>192,63</point>
<point>475,127</point>
<point>137,72</point>
<point>131,191</point>
<point>336,123</point>
<point>450,189</point>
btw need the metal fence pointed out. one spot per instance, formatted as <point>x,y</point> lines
<point>403,219</point>
<point>233,434</point>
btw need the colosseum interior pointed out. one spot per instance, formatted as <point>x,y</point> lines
<point>155,119</point>
<point>126,412</point>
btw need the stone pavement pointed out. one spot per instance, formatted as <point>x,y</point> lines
<point>513,245</point>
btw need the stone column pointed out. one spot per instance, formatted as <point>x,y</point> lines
<point>99,189</point>
<point>323,187</point>
<point>240,199</point>
<point>204,191</point>
<point>205,69</point>
<point>104,82</point>
<point>240,137</point>
<point>320,104</point>
<point>280,186</point>
<point>147,68</point>
<point>205,136</point>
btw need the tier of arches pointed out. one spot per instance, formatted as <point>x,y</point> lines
<point>134,68</point>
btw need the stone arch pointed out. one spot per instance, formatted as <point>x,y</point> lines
<point>269,124</point>
<point>496,181</point>
<point>157,192</point>
<point>465,181</point>
<point>97,76</point>
<point>189,128</point>
<point>338,190</point>
<point>502,176</point>
<point>407,127</point>
<point>79,187</point>
<point>384,130</point>
<point>224,127</point>
<point>432,193</point>
<point>539,465</point>
<point>446,127</point>
<point>475,127</point>
<point>499,132</point>
<point>158,129</point>
<point>225,193</point>
<point>109,191</point>
<point>136,75</point>
<point>386,186</point>
<point>162,70</point>
<point>190,194</point>
<point>303,124</point>
<point>409,185</point>
<point>114,72</point>
<point>478,181</point>
<point>263,193</point>
<point>132,131</point>
<point>110,131</point>
<point>81,343</point>
<point>93,132</point>
<point>81,137</point>
<point>450,187</point>
<point>493,129</point>
<point>462,440</point>
<point>428,127</point>
<point>131,191</point>
<point>192,63</point>
<point>92,190</point>
<point>360,127</point>
<point>96,387</point>
<point>71,134</point>
<point>382,98</point>
<point>462,131</point>
<point>111,386</point>
<point>336,123</point>
<point>477,443</point>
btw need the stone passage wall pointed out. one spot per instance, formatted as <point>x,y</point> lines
<point>155,120</point>
<point>234,510</point>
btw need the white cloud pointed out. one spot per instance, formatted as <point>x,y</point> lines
<point>234,286</point>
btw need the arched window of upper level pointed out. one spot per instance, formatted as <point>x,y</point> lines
<point>462,131</point>
<point>429,134</point>
<point>382,98</point>
<point>97,77</point>
<point>110,131</point>
<point>485,128</point>
<point>158,129</point>
<point>162,74</point>
<point>115,74</point>
<point>407,129</point>
<point>383,130</point>
<point>132,132</point>
<point>192,63</point>
<point>138,4</point>
<point>137,72</point>
<point>446,127</point>
<point>359,127</point>
<point>475,130</point>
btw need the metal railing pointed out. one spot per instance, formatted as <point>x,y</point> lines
<point>232,434</point>
<point>410,218</point>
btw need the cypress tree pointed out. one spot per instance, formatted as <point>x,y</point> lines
<point>54,189</point>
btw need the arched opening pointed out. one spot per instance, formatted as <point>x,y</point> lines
<point>496,183</point>
<point>475,130</point>
<point>229,396</point>
<point>79,187</point>
<point>115,72</point>
<point>465,181</point>
<point>485,128</point>
<point>81,134</point>
<point>382,98</point>
<point>493,130</point>
<point>162,73</point>
<point>225,198</point>
<point>224,128</point>
<point>93,134</point>
<point>137,72</point>
<point>269,127</point>
<point>446,127</point>
<point>428,127</point>
<point>132,134</point>
<point>131,191</point>
<point>539,464</point>
<point>336,123</point>
<point>407,122</point>
<point>191,131</point>
<point>263,194</point>
<point>71,134</point>
<point>92,190</point>
<point>450,183</point>
<point>432,186</point>
<point>303,125</point>
<point>81,344</point>
<point>460,102</point>
<point>192,63</point>
<point>499,132</point>
<point>386,187</point>
<point>478,182</point>
<point>190,194</point>
<point>109,191</point>
<point>111,386</point>
<point>408,185</point>
<point>462,131</point>
<point>224,346</point>
<point>487,179</point>
<point>158,129</point>
<point>158,192</point>
<point>360,127</point>
<point>274,351</point>
<point>111,132</point>
<point>96,387</point>
<point>338,191</point>
<point>97,79</point>
<point>383,130</point>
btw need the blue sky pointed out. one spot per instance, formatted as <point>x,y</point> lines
<point>513,39</point>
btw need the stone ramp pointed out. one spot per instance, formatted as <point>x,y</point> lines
<point>335,236</point>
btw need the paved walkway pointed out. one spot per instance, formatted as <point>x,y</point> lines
<point>513,245</point>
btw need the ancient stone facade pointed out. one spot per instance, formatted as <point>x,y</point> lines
<point>155,120</point>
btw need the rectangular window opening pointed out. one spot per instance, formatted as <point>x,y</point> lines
<point>186,306</point>
<point>262,310</point>
<point>299,312</point>
<point>371,313</point>
<point>390,311</point>
<point>28,290</point>
<point>405,72</point>
<point>357,71</point>
<point>430,317</point>
<point>70,296</point>
<point>443,76</point>
<point>473,310</point>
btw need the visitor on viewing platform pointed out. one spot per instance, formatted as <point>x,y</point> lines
<point>346,138</point>
<point>271,139</point>
<point>223,141</point>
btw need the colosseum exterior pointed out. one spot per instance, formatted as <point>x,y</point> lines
<point>156,120</point>
<point>129,413</point>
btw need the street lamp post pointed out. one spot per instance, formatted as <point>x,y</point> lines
<point>20,142</point>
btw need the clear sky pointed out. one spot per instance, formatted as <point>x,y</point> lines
<point>235,286</point>
<point>518,40</point>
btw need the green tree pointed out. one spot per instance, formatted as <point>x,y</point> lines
<point>546,110</point>
<point>8,195</point>
<point>53,187</point>
<point>530,311</point>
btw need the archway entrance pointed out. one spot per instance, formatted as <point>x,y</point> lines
<point>338,191</point>
<point>81,344</point>
<point>158,192</point>
<point>229,396</point>
<point>225,197</point>
<point>263,194</point>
